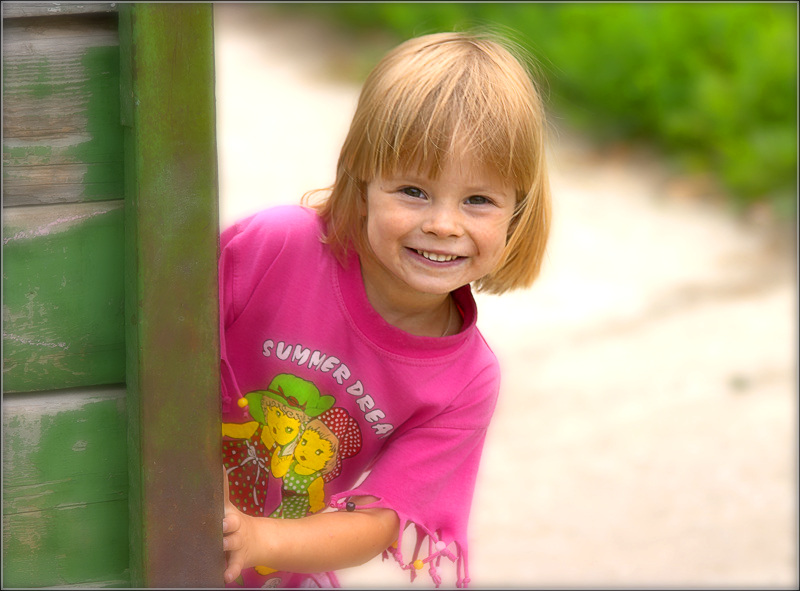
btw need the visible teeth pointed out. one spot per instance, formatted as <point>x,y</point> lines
<point>439,258</point>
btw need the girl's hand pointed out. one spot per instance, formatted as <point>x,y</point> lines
<point>235,532</point>
<point>319,542</point>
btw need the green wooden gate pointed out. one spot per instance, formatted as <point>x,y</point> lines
<point>111,442</point>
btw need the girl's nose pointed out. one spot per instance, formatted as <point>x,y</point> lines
<point>443,221</point>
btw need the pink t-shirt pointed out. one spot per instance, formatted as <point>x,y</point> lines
<point>340,402</point>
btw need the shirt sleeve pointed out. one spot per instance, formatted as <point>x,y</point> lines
<point>248,249</point>
<point>427,475</point>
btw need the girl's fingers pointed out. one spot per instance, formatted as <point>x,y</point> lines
<point>231,522</point>
<point>232,542</point>
<point>232,545</point>
<point>232,539</point>
<point>233,569</point>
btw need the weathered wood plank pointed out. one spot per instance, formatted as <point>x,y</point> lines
<point>65,513</point>
<point>33,9</point>
<point>172,316</point>
<point>85,545</point>
<point>62,448</point>
<point>62,136</point>
<point>63,296</point>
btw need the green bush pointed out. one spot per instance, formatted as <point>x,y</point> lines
<point>712,84</point>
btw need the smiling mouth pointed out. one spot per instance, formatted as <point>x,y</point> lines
<point>437,258</point>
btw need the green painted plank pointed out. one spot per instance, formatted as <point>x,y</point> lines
<point>37,9</point>
<point>85,545</point>
<point>172,340</point>
<point>63,296</point>
<point>64,448</point>
<point>65,509</point>
<point>62,136</point>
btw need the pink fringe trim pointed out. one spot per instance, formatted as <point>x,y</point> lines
<point>437,548</point>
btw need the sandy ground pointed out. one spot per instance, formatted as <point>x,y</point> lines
<point>647,430</point>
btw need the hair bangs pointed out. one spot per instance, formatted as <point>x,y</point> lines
<point>460,103</point>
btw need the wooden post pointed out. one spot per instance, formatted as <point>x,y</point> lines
<point>171,311</point>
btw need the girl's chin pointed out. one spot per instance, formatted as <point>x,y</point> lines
<point>434,288</point>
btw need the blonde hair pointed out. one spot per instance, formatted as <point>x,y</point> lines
<point>435,95</point>
<point>325,433</point>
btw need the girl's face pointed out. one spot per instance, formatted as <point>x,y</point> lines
<point>284,427</point>
<point>313,451</point>
<point>431,236</point>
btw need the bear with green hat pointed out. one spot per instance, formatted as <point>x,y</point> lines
<point>250,449</point>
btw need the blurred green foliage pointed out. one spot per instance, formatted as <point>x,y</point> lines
<point>713,85</point>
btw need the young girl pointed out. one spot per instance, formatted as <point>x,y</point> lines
<point>441,184</point>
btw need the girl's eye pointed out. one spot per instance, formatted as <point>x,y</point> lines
<point>413,192</point>
<point>478,200</point>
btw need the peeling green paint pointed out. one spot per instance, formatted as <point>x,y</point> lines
<point>84,546</point>
<point>63,297</point>
<point>87,130</point>
<point>13,153</point>
<point>65,460</point>
<point>42,76</point>
<point>65,513</point>
<point>103,180</point>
